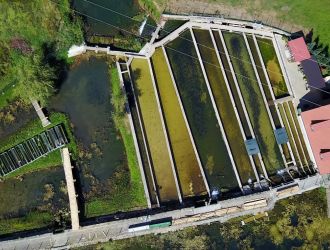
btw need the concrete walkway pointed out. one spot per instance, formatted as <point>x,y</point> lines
<point>71,189</point>
<point>113,230</point>
<point>44,120</point>
<point>328,200</point>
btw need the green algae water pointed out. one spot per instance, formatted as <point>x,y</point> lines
<point>190,176</point>
<point>103,170</point>
<point>254,102</point>
<point>224,105</point>
<point>159,153</point>
<point>200,113</point>
<point>34,201</point>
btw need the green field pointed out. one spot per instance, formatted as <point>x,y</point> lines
<point>309,15</point>
<point>254,102</point>
<point>224,105</point>
<point>154,131</point>
<point>191,180</point>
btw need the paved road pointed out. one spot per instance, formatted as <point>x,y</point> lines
<point>119,229</point>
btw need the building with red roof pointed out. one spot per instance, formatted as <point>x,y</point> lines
<point>298,49</point>
<point>317,126</point>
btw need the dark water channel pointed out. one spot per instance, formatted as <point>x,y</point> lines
<point>102,16</point>
<point>85,97</point>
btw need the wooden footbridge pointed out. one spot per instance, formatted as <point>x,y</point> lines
<point>71,188</point>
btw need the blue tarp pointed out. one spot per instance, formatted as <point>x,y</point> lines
<point>281,136</point>
<point>252,147</point>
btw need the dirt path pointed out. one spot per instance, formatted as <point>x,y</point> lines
<point>243,11</point>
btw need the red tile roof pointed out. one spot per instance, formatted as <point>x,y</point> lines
<point>317,125</point>
<point>299,49</point>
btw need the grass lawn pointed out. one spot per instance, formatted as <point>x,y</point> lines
<point>31,129</point>
<point>154,130</point>
<point>273,67</point>
<point>186,163</point>
<point>254,102</point>
<point>224,106</point>
<point>32,220</point>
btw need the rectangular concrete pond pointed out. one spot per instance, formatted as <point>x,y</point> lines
<point>186,162</point>
<point>231,82</point>
<point>296,149</point>
<point>273,67</point>
<point>267,92</point>
<point>224,105</point>
<point>288,111</point>
<point>295,118</point>
<point>155,134</point>
<point>254,102</point>
<point>200,113</point>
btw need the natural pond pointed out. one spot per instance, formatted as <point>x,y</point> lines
<point>103,168</point>
<point>200,113</point>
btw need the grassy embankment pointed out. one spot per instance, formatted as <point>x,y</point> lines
<point>151,7</point>
<point>31,129</point>
<point>33,47</point>
<point>224,105</point>
<point>254,102</point>
<point>154,130</point>
<point>31,221</point>
<point>186,163</point>
<point>131,196</point>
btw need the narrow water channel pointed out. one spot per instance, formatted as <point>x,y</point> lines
<point>200,113</point>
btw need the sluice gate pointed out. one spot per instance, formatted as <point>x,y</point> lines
<point>32,149</point>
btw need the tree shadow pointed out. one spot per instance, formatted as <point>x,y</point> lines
<point>58,64</point>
